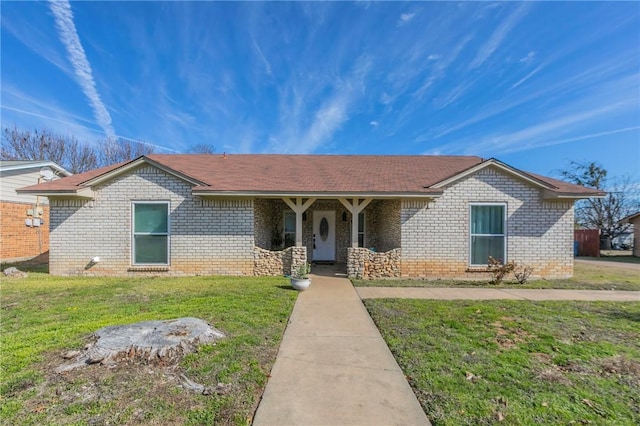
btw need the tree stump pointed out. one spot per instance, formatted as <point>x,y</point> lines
<point>154,342</point>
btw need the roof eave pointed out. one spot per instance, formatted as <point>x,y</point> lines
<point>86,193</point>
<point>317,194</point>
<point>111,174</point>
<point>553,195</point>
<point>39,164</point>
<point>499,165</point>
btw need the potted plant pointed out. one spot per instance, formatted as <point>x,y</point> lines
<point>300,278</point>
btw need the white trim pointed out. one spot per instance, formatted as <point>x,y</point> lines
<point>36,165</point>
<point>318,195</point>
<point>502,167</point>
<point>471,235</point>
<point>550,195</point>
<point>111,174</point>
<point>78,193</point>
<point>133,233</point>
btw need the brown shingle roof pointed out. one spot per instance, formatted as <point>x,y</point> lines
<point>317,173</point>
<point>256,173</point>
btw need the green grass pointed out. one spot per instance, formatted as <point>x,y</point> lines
<point>43,317</point>
<point>512,363</point>
<point>585,277</point>
<point>614,258</point>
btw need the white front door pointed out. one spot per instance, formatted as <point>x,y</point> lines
<point>324,236</point>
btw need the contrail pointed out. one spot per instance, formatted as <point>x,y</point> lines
<point>84,76</point>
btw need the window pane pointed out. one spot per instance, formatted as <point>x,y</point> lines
<point>360,240</point>
<point>289,222</point>
<point>483,247</point>
<point>151,249</point>
<point>151,218</point>
<point>361,222</point>
<point>289,239</point>
<point>487,219</point>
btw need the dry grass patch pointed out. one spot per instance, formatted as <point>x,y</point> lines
<point>43,317</point>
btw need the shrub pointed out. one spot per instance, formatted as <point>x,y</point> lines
<point>522,273</point>
<point>499,270</point>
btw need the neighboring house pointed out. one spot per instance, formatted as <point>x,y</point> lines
<point>422,216</point>
<point>24,219</point>
<point>634,220</point>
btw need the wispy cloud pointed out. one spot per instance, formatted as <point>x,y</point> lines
<point>588,136</point>
<point>405,18</point>
<point>526,77</point>
<point>267,65</point>
<point>499,35</point>
<point>537,135</point>
<point>306,128</point>
<point>84,75</point>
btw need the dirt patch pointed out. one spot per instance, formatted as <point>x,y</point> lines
<point>127,393</point>
<point>553,374</point>
<point>509,337</point>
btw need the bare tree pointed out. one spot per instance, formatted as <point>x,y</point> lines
<point>118,150</point>
<point>603,213</point>
<point>67,151</point>
<point>44,145</point>
<point>202,148</point>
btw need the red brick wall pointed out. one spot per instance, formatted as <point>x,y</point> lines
<point>18,241</point>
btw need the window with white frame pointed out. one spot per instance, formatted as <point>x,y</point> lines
<point>289,229</point>
<point>488,233</point>
<point>150,228</point>
<point>361,229</point>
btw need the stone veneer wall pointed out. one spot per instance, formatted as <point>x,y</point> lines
<point>266,220</point>
<point>382,224</point>
<point>435,235</point>
<point>282,262</point>
<point>366,264</point>
<point>383,229</point>
<point>206,236</point>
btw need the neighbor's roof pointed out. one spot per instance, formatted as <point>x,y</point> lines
<point>7,165</point>
<point>255,174</point>
<point>631,218</point>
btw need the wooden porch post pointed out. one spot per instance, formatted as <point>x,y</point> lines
<point>299,207</point>
<point>355,207</point>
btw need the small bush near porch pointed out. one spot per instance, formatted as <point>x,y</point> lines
<point>43,317</point>
<point>514,362</point>
<point>585,277</point>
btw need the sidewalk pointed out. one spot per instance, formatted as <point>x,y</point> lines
<point>495,294</point>
<point>334,368</point>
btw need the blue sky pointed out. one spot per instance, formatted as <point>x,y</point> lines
<point>535,85</point>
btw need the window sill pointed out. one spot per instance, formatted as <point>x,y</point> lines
<point>142,268</point>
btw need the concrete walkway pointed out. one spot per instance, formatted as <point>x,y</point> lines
<point>495,294</point>
<point>333,368</point>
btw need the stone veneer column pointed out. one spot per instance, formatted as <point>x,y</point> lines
<point>298,257</point>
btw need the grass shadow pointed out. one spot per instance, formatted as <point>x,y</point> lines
<point>37,264</point>
<point>623,314</point>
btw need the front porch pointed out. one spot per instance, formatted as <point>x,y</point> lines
<point>363,235</point>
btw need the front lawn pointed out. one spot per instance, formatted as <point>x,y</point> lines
<point>513,362</point>
<point>585,277</point>
<point>43,317</point>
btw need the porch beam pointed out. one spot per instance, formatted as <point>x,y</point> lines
<point>355,207</point>
<point>299,207</point>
